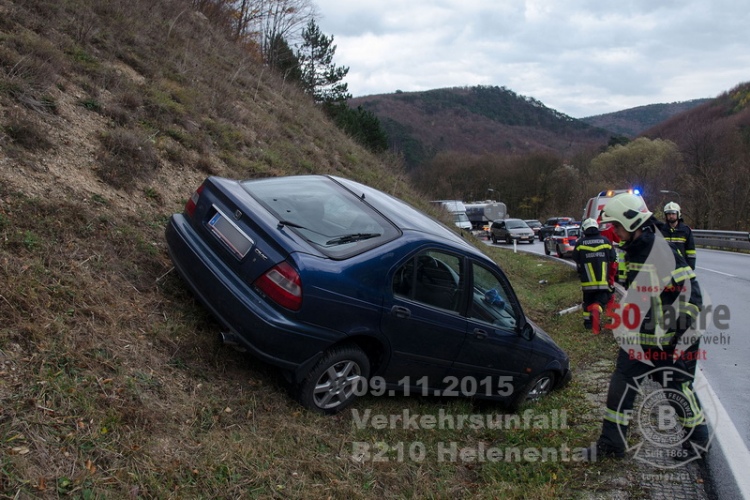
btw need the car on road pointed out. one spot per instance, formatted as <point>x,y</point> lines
<point>562,241</point>
<point>534,224</point>
<point>550,224</point>
<point>509,230</point>
<point>351,291</point>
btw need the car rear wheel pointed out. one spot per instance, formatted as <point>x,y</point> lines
<point>494,239</point>
<point>334,382</point>
<point>546,249</point>
<point>559,253</point>
<point>538,387</point>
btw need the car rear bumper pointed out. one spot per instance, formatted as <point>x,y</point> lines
<point>523,238</point>
<point>263,330</point>
<point>567,250</point>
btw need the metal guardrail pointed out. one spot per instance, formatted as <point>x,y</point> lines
<point>738,240</point>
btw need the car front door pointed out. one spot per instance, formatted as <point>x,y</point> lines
<point>494,358</point>
<point>422,317</point>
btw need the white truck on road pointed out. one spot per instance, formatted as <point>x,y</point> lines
<point>482,213</point>
<point>458,210</point>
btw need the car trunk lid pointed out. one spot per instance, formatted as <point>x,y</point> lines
<point>238,229</point>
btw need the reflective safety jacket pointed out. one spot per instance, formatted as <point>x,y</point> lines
<point>681,236</point>
<point>663,287</point>
<point>594,255</point>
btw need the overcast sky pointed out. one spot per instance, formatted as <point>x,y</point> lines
<point>582,58</point>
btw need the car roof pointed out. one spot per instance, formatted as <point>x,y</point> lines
<point>406,217</point>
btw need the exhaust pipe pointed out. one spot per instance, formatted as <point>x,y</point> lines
<point>230,339</point>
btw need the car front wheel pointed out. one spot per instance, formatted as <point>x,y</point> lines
<point>334,382</point>
<point>546,249</point>
<point>538,387</point>
<point>494,239</point>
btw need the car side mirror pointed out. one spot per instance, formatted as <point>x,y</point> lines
<point>527,331</point>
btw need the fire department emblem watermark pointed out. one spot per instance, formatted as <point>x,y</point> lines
<point>658,436</point>
<point>663,423</point>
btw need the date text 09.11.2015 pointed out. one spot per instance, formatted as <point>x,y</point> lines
<point>450,387</point>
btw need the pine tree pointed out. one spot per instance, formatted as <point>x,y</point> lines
<point>321,78</point>
<point>282,58</point>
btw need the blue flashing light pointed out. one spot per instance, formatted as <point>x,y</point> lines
<point>637,191</point>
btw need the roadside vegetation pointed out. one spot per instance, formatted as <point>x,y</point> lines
<point>113,383</point>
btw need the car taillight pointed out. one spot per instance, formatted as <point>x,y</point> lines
<point>566,241</point>
<point>282,285</point>
<point>193,201</point>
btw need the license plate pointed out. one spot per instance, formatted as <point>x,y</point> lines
<point>232,236</point>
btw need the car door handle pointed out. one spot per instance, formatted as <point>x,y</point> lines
<point>479,333</point>
<point>400,312</point>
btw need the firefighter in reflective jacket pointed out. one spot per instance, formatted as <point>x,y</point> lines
<point>678,233</point>
<point>594,255</point>
<point>664,343</point>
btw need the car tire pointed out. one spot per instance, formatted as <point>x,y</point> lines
<point>559,253</point>
<point>335,381</point>
<point>546,249</point>
<point>536,388</point>
<point>508,240</point>
<point>494,239</point>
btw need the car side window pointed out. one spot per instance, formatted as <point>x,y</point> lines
<point>489,302</point>
<point>434,278</point>
<point>559,231</point>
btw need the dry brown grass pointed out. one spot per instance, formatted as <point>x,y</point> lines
<point>112,381</point>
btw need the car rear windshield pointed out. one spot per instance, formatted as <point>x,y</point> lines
<point>517,224</point>
<point>323,213</point>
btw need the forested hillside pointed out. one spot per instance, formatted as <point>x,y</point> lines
<point>631,122</point>
<point>713,180</point>
<point>476,120</point>
<point>699,158</point>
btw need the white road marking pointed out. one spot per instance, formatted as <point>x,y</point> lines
<point>717,272</point>
<point>726,436</point>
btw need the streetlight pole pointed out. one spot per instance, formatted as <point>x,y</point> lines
<point>667,191</point>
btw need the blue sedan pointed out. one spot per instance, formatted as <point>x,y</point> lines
<point>351,291</point>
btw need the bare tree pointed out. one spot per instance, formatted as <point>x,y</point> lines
<point>280,18</point>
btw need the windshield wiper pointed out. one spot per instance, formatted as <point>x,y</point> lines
<point>349,238</point>
<point>289,223</point>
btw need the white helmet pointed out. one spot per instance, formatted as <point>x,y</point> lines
<point>627,209</point>
<point>672,208</point>
<point>589,223</point>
